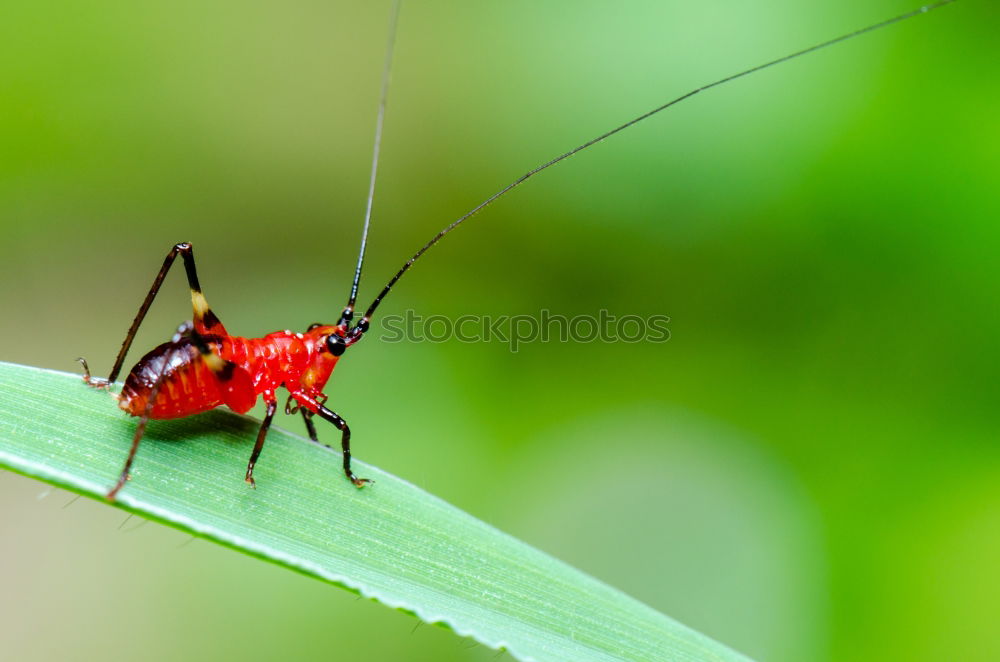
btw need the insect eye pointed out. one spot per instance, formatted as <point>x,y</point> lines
<point>335,344</point>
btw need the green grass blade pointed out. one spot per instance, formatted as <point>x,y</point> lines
<point>391,542</point>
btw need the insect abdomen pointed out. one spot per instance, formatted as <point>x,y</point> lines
<point>188,386</point>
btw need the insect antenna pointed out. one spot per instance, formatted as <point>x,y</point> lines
<point>348,314</point>
<point>364,322</point>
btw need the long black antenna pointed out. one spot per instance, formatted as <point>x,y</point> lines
<point>348,313</point>
<point>363,323</point>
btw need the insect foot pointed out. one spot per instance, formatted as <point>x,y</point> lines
<point>110,496</point>
<point>96,382</point>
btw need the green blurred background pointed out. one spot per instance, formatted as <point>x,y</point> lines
<point>808,470</point>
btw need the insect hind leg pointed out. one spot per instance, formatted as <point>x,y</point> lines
<point>140,430</point>
<point>205,321</point>
<point>147,413</point>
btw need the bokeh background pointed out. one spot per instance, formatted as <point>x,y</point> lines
<point>807,470</point>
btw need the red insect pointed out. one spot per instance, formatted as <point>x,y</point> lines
<point>203,366</point>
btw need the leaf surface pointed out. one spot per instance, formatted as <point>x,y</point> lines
<point>390,542</point>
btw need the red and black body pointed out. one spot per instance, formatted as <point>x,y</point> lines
<point>204,367</point>
<point>253,367</point>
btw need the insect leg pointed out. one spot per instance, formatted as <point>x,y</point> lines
<point>307,416</point>
<point>315,407</point>
<point>140,429</point>
<point>272,406</point>
<point>345,444</point>
<point>292,407</point>
<point>205,321</point>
